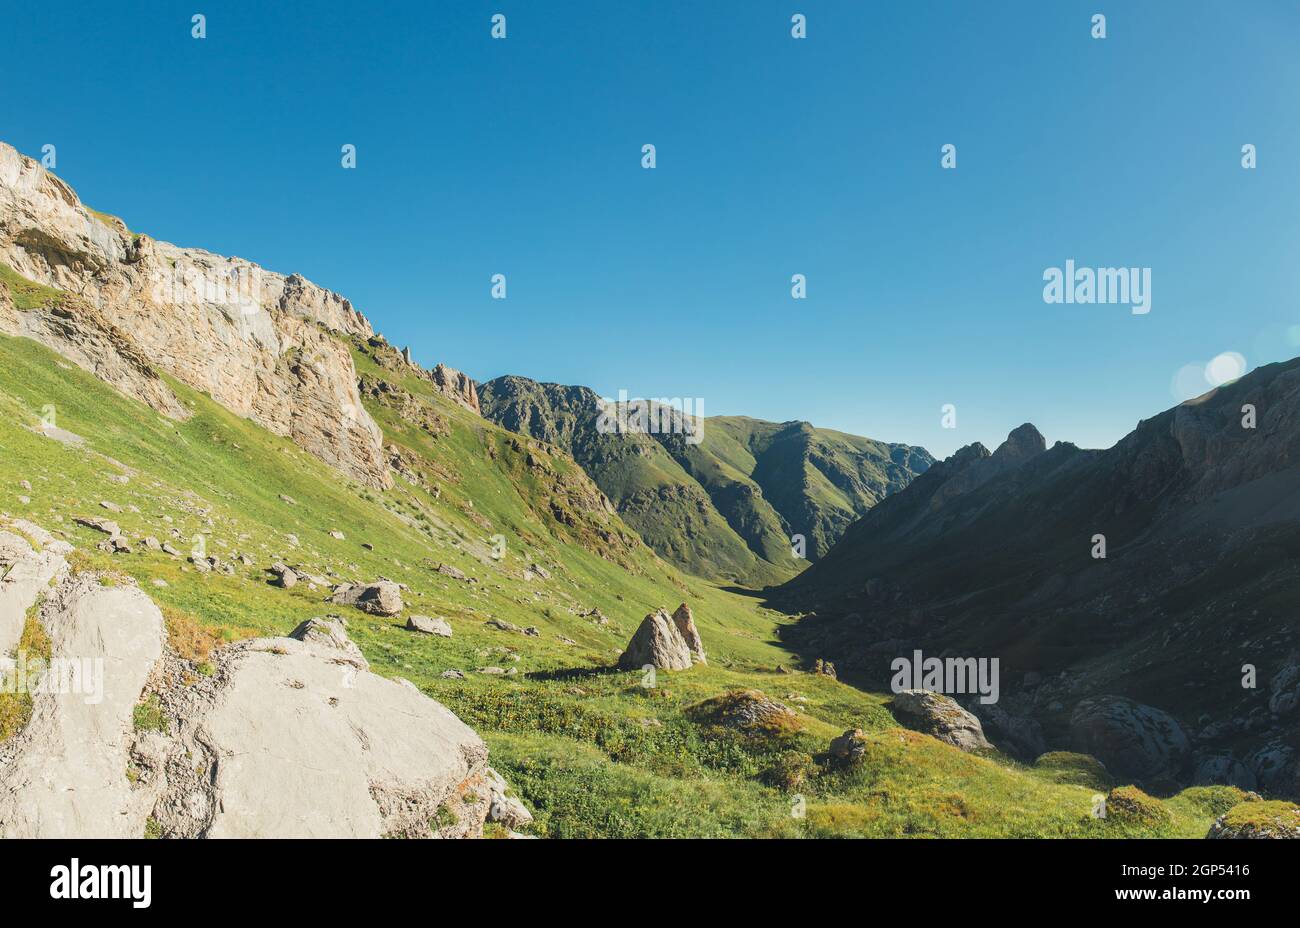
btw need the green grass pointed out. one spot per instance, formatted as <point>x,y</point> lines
<point>589,749</point>
<point>26,294</point>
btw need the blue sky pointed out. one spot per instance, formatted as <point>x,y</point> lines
<point>775,156</point>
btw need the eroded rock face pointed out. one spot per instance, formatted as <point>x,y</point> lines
<point>1134,741</point>
<point>939,716</point>
<point>456,385</point>
<point>65,774</point>
<point>657,642</point>
<point>258,342</point>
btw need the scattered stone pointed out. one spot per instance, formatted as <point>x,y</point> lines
<point>454,572</point>
<point>502,625</point>
<point>428,625</point>
<point>153,544</point>
<point>288,499</point>
<point>336,535</point>
<point>111,529</point>
<point>533,631</point>
<point>111,507</point>
<point>504,809</point>
<point>381,598</point>
<point>941,717</point>
<point>825,668</point>
<point>452,675</point>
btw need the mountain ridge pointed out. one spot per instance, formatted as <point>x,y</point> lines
<point>725,501</point>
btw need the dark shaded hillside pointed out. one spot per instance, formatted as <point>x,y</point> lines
<point>726,507</point>
<point>991,555</point>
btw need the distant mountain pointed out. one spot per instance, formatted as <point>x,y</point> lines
<point>992,555</point>
<point>726,507</point>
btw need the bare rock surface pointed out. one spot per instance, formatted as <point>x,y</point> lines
<point>293,737</point>
<point>64,775</point>
<point>657,642</point>
<point>940,716</point>
<point>1134,741</point>
<point>381,598</point>
<point>24,575</point>
<point>429,625</point>
<point>278,737</point>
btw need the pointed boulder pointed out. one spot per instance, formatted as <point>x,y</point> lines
<point>657,642</point>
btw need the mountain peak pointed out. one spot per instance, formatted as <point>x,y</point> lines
<point>1023,443</point>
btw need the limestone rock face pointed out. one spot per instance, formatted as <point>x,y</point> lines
<point>281,737</point>
<point>257,341</point>
<point>685,623</point>
<point>1133,740</point>
<point>24,575</point>
<point>939,715</point>
<point>657,642</point>
<point>292,738</point>
<point>64,775</point>
<point>456,385</point>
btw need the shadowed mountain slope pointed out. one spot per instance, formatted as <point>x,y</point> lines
<point>992,555</point>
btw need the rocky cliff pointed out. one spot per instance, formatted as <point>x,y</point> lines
<point>127,307</point>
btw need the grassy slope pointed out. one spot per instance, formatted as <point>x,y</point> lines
<point>818,480</point>
<point>592,751</point>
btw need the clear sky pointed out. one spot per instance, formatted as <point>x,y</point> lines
<point>775,156</point>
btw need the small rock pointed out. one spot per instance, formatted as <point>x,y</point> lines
<point>850,746</point>
<point>428,625</point>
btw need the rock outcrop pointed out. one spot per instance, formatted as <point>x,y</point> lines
<point>276,737</point>
<point>456,385</point>
<point>24,575</point>
<point>260,343</point>
<point>658,643</point>
<point>1133,740</point>
<point>940,716</point>
<point>65,774</point>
